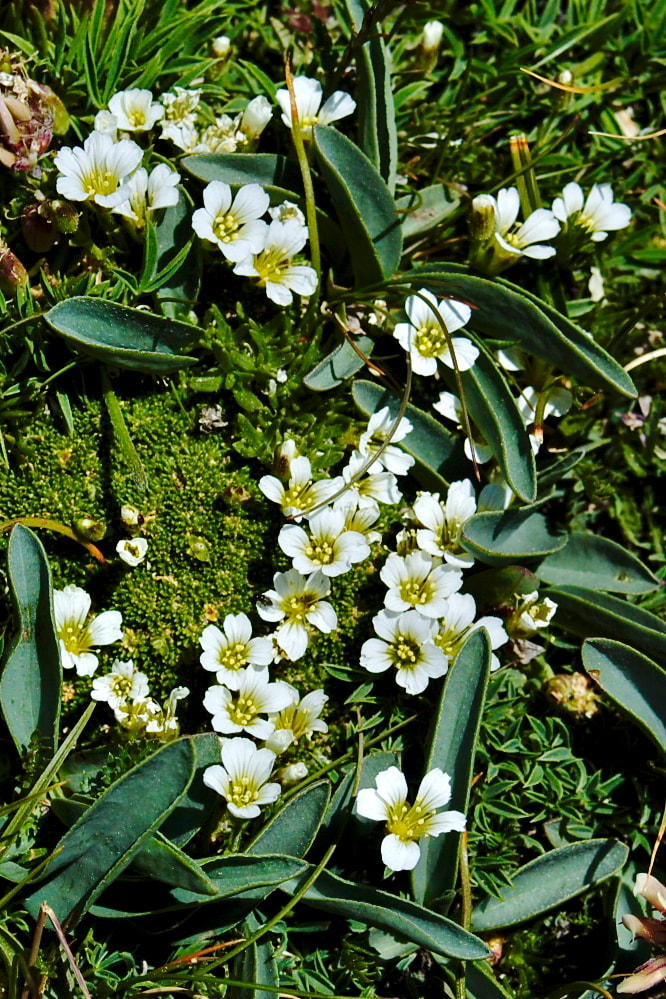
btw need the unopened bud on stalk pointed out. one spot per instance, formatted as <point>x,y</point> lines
<point>13,274</point>
<point>482,228</point>
<point>431,39</point>
<point>63,215</point>
<point>88,528</point>
<point>292,773</point>
<point>221,47</point>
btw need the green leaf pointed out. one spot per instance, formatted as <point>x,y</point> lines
<point>427,208</point>
<point>199,801</point>
<point>236,169</point>
<point>112,831</point>
<point>342,801</point>
<point>555,472</point>
<point>163,861</point>
<point>174,232</point>
<point>32,676</point>
<point>363,204</point>
<point>493,587</point>
<point>255,964</point>
<point>374,98</point>
<point>128,338</point>
<point>452,749</point>
<point>481,983</point>
<point>632,681</point>
<point>389,912</point>
<point>589,615</point>
<point>498,537</point>
<point>295,826</point>
<point>549,881</point>
<point>598,564</point>
<point>493,408</point>
<point>504,311</point>
<point>341,363</point>
<point>438,452</point>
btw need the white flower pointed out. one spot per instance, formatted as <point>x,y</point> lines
<point>359,518</point>
<point>136,715</point>
<point>599,215</point>
<point>330,547</point>
<point>534,615</point>
<point>287,210</point>
<point>524,241</point>
<point>98,170</point>
<point>148,193</point>
<point>300,718</point>
<point>443,522</point>
<point>76,634</point>
<point>227,653</point>
<point>308,94</point>
<point>124,683</point>
<point>297,601</point>
<point>186,137</point>
<point>392,458</point>
<point>301,494</point>
<point>135,110</point>
<point>595,285</point>
<point>406,824</point>
<point>457,623</point>
<point>255,117</point>
<point>235,227</point>
<point>431,38</point>
<point>370,489</point>
<point>162,721</point>
<point>239,711</point>
<point>424,340</point>
<point>450,407</point>
<point>221,46</point>
<point>106,123</point>
<point>242,780</point>
<point>558,403</point>
<point>406,643</point>
<point>180,107</point>
<point>416,581</point>
<point>132,550</point>
<point>272,265</point>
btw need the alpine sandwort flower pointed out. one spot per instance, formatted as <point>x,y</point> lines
<point>243,777</point>
<point>77,634</point>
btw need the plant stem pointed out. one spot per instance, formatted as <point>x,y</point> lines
<point>121,432</point>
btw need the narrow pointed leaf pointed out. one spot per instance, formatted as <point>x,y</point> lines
<point>598,564</point>
<point>363,204</point>
<point>293,829</point>
<point>341,363</point>
<point>493,409</point>
<point>549,881</point>
<point>438,452</point>
<point>589,614</point>
<point>32,675</point>
<point>128,338</point>
<point>255,964</point>
<point>375,107</point>
<point>498,537</point>
<point>632,681</point>
<point>504,311</point>
<point>452,749</point>
<point>112,831</point>
<point>389,912</point>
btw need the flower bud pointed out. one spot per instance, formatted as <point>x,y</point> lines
<point>256,116</point>
<point>221,47</point>
<point>63,215</point>
<point>431,39</point>
<point>482,225</point>
<point>131,516</point>
<point>89,528</point>
<point>13,274</point>
<point>38,230</point>
<point>292,773</point>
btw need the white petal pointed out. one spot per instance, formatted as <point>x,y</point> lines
<point>434,790</point>
<point>371,806</point>
<point>398,855</point>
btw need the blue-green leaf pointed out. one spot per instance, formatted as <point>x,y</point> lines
<point>598,564</point>
<point>173,232</point>
<point>498,537</point>
<point>112,831</point>
<point>427,208</point>
<point>32,676</point>
<point>236,169</point>
<point>363,204</point>
<point>341,363</point>
<point>502,310</point>
<point>589,614</point>
<point>389,912</point>
<point>632,681</point>
<point>255,964</point>
<point>438,452</point>
<point>452,749</point>
<point>128,338</point>
<point>295,826</point>
<point>549,881</point>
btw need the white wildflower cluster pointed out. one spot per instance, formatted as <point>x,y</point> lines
<point>245,702</point>
<point>107,169</point>
<point>183,123</point>
<point>425,618</point>
<point>258,249</point>
<point>125,689</point>
<point>424,335</point>
<point>499,240</point>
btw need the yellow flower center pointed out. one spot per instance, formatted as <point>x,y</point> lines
<point>234,656</point>
<point>75,638</point>
<point>242,792</point>
<point>415,591</point>
<point>242,711</point>
<point>430,341</point>
<point>226,226</point>
<point>322,552</point>
<point>271,266</point>
<point>100,182</point>
<point>297,607</point>
<point>407,823</point>
<point>299,496</point>
<point>122,686</point>
<point>137,118</point>
<point>405,653</point>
